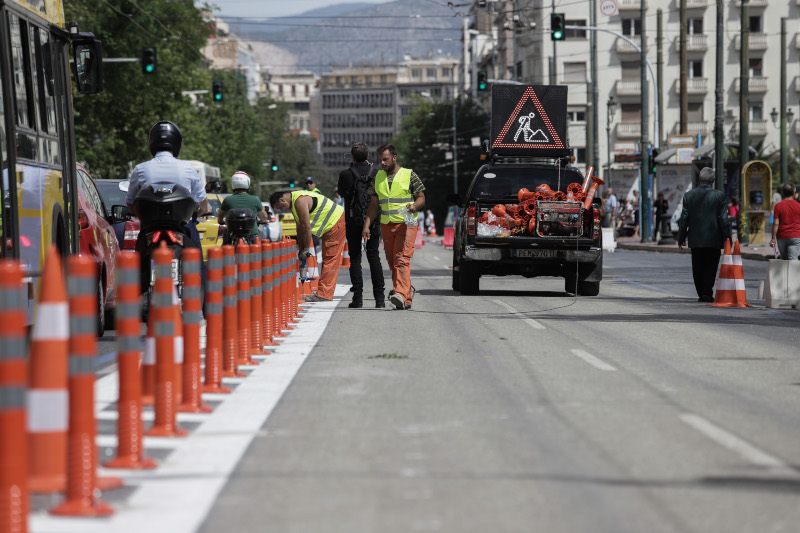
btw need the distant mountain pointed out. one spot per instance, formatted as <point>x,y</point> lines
<point>354,33</point>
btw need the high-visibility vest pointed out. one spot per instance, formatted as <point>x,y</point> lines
<point>324,216</point>
<point>393,201</point>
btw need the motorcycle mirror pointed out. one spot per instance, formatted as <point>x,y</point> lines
<point>124,185</point>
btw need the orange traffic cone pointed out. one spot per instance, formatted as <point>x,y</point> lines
<point>48,403</point>
<point>730,285</point>
<point>346,256</point>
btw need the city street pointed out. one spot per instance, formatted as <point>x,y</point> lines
<point>520,409</point>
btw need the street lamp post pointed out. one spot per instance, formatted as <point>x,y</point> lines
<point>611,104</point>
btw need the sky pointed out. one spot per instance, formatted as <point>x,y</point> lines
<point>275,8</point>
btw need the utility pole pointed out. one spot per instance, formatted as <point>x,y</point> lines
<point>590,139</point>
<point>719,119</point>
<point>595,107</point>
<point>784,168</point>
<point>553,71</point>
<point>744,116</point>
<point>660,75</point>
<point>684,59</point>
<point>455,144</point>
<point>645,203</point>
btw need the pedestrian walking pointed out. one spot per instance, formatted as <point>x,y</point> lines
<point>786,227</point>
<point>319,216</point>
<point>397,191</point>
<point>705,221</point>
<point>430,224</point>
<point>660,208</point>
<point>610,209</point>
<point>355,184</point>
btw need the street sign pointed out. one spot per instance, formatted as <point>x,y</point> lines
<point>682,140</point>
<point>684,155</point>
<point>529,120</point>
<point>608,7</point>
<point>628,158</point>
<point>625,147</point>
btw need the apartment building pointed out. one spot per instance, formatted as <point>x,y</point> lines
<point>299,89</point>
<point>226,51</point>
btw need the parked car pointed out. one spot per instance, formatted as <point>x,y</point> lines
<point>288,225</point>
<point>113,193</point>
<point>274,228</point>
<point>97,240</point>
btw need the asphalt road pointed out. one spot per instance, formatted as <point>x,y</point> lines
<point>527,409</point>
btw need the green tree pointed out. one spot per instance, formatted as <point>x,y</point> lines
<point>427,134</point>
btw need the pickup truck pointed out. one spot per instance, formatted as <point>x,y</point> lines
<point>562,240</point>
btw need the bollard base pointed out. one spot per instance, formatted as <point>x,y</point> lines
<point>167,432</point>
<point>131,463</point>
<point>92,508</point>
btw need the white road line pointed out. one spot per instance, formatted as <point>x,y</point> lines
<point>436,258</point>
<point>592,360</point>
<point>746,450</point>
<point>531,322</point>
<point>178,494</point>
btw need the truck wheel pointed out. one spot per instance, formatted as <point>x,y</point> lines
<point>469,280</point>
<point>456,276</point>
<point>589,288</point>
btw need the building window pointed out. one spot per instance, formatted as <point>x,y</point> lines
<point>576,115</point>
<point>631,112</point>
<point>306,89</point>
<point>755,24</point>
<point>383,79</point>
<point>416,72</point>
<point>519,70</point>
<point>756,67</point>
<point>631,70</point>
<point>294,90</point>
<point>574,72</point>
<point>756,111</point>
<point>695,68</point>
<point>695,112</point>
<point>575,34</point>
<point>280,90</point>
<point>447,72</point>
<point>631,27</point>
<point>403,92</point>
<point>579,154</point>
<point>694,26</point>
<point>430,73</point>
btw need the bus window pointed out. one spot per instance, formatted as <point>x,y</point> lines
<point>20,79</point>
<point>45,82</point>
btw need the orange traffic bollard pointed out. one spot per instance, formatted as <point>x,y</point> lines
<point>277,288</point>
<point>81,498</point>
<point>267,292</point>
<point>596,183</point>
<point>230,366</point>
<point>346,256</point>
<point>162,311</point>
<point>587,180</point>
<point>149,364</point>
<point>177,347</point>
<point>213,369</point>
<point>48,399</point>
<point>292,282</point>
<point>13,378</point>
<point>730,283</point>
<point>243,302</point>
<point>127,318</point>
<point>256,297</point>
<point>192,317</point>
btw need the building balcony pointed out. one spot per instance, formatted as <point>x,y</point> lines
<point>694,128</point>
<point>754,3</point>
<point>629,87</point>
<point>758,126</point>
<point>630,4</point>
<point>755,85</point>
<point>692,4</point>
<point>624,47</point>
<point>628,130</point>
<point>758,41</point>
<point>693,86</point>
<point>694,43</point>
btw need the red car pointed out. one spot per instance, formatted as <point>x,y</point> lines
<point>98,240</point>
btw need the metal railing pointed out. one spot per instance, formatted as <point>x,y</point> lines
<point>629,87</point>
<point>693,86</point>
<point>628,130</point>
<point>758,126</point>
<point>756,84</point>
<point>758,41</point>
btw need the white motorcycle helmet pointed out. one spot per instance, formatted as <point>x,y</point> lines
<point>240,180</point>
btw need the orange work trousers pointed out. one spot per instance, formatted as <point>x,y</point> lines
<point>398,243</point>
<point>332,248</point>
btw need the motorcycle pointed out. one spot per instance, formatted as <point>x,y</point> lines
<point>239,224</point>
<point>164,210</point>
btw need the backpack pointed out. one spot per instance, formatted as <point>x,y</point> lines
<point>359,203</point>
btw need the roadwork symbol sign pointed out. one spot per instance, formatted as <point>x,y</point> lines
<point>529,121</point>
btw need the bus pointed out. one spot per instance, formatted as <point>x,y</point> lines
<point>38,191</point>
<point>211,177</point>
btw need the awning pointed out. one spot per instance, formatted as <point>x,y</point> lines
<point>664,156</point>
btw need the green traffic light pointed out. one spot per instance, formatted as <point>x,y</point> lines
<point>557,35</point>
<point>149,68</point>
<point>217,96</point>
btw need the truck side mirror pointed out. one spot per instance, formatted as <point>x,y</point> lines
<point>454,198</point>
<point>88,65</point>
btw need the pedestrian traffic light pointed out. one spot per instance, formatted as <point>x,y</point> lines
<point>148,60</point>
<point>216,90</point>
<point>482,80</point>
<point>274,165</point>
<point>653,163</point>
<point>557,26</point>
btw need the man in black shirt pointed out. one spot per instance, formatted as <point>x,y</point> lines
<point>354,184</point>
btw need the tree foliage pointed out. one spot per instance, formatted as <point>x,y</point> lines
<point>427,134</point>
<point>112,127</point>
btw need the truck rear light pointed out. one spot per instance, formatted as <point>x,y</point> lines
<point>472,216</point>
<point>596,222</point>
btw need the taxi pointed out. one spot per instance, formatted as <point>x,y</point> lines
<point>208,228</point>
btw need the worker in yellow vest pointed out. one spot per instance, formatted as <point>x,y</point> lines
<point>397,192</point>
<point>316,215</point>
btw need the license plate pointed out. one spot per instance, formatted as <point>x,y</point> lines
<point>534,252</point>
<point>175,271</point>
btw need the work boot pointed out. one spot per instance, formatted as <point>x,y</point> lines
<point>358,300</point>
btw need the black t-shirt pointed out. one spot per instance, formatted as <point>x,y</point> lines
<point>347,183</point>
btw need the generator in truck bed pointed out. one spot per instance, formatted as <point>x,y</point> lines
<point>527,211</point>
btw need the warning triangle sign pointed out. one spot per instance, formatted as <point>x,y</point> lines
<point>527,128</point>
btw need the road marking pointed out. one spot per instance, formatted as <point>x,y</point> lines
<point>436,257</point>
<point>531,322</point>
<point>592,360</point>
<point>735,444</point>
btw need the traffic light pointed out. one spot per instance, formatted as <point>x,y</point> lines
<point>292,184</point>
<point>274,165</point>
<point>653,164</point>
<point>148,60</point>
<point>482,80</point>
<point>216,90</point>
<point>557,26</point>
